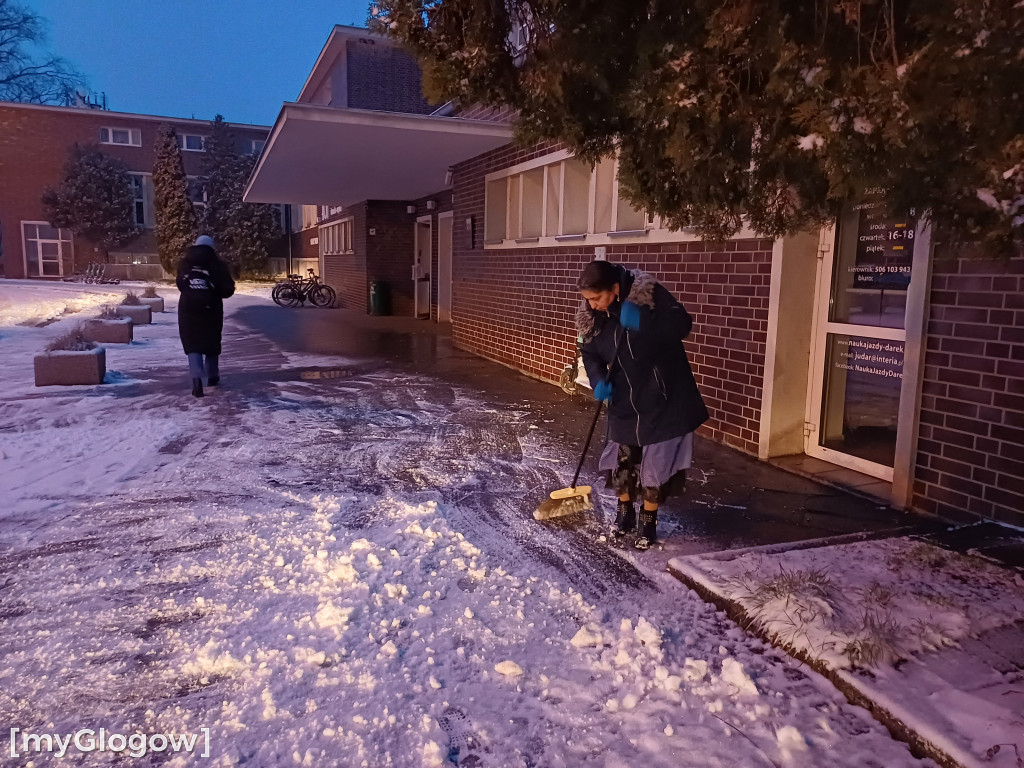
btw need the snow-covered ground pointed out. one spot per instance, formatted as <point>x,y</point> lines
<point>934,636</point>
<point>324,563</point>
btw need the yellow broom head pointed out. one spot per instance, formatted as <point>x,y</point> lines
<point>566,505</point>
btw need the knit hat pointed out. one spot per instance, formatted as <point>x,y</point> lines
<point>204,240</point>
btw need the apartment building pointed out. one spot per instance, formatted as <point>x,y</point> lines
<point>35,143</point>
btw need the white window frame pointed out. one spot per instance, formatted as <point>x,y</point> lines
<point>134,136</point>
<point>148,210</point>
<point>63,236</point>
<point>335,239</point>
<point>250,148</point>
<point>182,141</point>
<point>654,231</point>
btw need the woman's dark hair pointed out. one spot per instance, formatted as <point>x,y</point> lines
<point>598,276</point>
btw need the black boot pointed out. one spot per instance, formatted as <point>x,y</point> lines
<point>214,381</point>
<point>625,518</point>
<point>648,533</point>
<point>197,387</point>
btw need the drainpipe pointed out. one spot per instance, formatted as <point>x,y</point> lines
<point>288,234</point>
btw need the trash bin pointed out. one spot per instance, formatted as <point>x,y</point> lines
<point>380,298</point>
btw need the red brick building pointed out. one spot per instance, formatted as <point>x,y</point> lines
<point>35,143</point>
<point>863,354</point>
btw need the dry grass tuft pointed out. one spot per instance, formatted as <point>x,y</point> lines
<point>877,641</point>
<point>72,341</point>
<point>150,292</point>
<point>130,298</point>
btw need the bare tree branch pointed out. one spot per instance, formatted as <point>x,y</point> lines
<point>24,75</point>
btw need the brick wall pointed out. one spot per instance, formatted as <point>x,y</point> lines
<point>301,246</point>
<point>385,78</point>
<point>517,306</point>
<point>389,253</point>
<point>346,272</point>
<point>970,460</point>
<point>35,143</point>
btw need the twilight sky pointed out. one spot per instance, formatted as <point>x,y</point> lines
<point>195,58</point>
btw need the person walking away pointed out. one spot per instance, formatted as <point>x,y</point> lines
<point>654,405</point>
<point>204,281</point>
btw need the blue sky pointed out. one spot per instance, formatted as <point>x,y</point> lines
<point>195,58</point>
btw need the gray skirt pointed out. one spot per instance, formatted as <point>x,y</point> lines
<point>660,461</point>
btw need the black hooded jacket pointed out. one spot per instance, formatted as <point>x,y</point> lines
<point>201,310</point>
<point>654,393</point>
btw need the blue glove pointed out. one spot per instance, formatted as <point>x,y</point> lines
<point>629,316</point>
<point>603,390</point>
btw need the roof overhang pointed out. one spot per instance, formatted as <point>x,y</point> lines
<point>319,155</point>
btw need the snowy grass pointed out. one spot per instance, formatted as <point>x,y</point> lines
<point>72,340</point>
<point>871,625</point>
<point>917,598</point>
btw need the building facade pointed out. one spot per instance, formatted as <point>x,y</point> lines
<point>864,354</point>
<point>36,142</point>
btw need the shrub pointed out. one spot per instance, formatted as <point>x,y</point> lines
<point>72,341</point>
<point>150,292</point>
<point>108,312</point>
<point>130,298</point>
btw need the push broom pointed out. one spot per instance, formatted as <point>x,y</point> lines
<point>575,498</point>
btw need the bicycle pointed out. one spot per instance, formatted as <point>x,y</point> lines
<point>297,289</point>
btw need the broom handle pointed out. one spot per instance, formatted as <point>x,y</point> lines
<point>597,413</point>
<point>586,445</point>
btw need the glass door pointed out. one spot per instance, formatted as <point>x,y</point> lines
<point>45,249</point>
<point>421,268</point>
<point>860,337</point>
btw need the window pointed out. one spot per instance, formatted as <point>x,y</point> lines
<point>336,238</point>
<point>142,187</point>
<point>131,137</point>
<point>46,247</point>
<point>252,146</point>
<point>191,142</point>
<point>197,194</point>
<point>576,196</point>
<point>563,199</point>
<point>494,224</point>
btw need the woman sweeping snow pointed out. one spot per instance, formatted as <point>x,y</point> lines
<point>654,405</point>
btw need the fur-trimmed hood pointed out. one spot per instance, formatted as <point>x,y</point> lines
<point>635,286</point>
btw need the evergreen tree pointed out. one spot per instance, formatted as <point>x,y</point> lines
<point>94,200</point>
<point>777,111</point>
<point>243,231</point>
<point>175,215</point>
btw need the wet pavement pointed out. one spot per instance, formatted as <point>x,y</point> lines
<point>732,499</point>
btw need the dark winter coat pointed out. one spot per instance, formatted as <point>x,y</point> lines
<point>201,311</point>
<point>654,394</point>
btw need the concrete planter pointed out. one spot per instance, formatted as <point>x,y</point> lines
<point>63,367</point>
<point>156,303</point>
<point>140,314</point>
<point>109,331</point>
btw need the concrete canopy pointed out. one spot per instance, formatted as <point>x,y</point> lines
<point>320,155</point>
